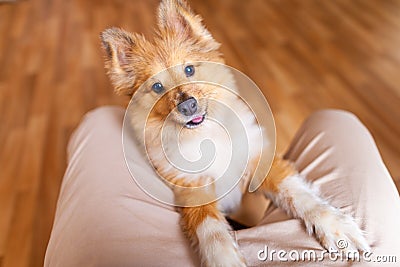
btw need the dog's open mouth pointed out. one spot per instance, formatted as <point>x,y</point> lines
<point>196,121</point>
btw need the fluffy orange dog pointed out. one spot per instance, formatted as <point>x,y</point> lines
<point>180,40</point>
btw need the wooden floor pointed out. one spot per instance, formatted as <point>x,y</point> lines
<point>304,54</point>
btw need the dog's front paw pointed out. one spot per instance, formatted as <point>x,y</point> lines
<point>338,231</point>
<point>217,247</point>
<point>223,256</point>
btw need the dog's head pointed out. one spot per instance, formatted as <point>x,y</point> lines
<point>181,40</point>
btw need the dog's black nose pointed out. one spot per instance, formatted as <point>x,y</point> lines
<point>188,107</point>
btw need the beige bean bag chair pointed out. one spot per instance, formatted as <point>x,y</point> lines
<point>104,219</point>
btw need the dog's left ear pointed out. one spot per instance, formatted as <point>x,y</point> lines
<point>176,17</point>
<point>124,52</point>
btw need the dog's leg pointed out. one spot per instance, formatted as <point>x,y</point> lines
<point>206,228</point>
<point>288,190</point>
<point>208,231</point>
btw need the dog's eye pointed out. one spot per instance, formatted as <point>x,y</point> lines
<point>157,87</point>
<point>189,70</point>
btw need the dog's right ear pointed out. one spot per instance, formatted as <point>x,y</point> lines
<point>176,17</point>
<point>124,51</point>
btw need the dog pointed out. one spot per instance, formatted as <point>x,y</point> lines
<point>182,40</point>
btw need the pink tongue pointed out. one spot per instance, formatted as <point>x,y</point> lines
<point>197,119</point>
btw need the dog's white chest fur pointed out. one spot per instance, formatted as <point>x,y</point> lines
<point>222,149</point>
